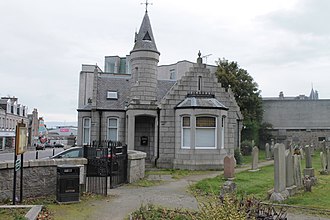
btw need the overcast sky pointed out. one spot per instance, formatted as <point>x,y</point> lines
<point>283,44</point>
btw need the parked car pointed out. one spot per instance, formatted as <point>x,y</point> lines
<point>78,152</point>
<point>73,152</point>
<point>48,145</point>
<point>59,145</point>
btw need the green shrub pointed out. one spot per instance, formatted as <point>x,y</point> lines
<point>246,148</point>
<point>238,157</point>
<point>228,208</point>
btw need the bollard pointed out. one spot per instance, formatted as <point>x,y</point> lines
<point>53,151</point>
<point>37,155</point>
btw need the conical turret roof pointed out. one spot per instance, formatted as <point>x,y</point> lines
<point>145,40</point>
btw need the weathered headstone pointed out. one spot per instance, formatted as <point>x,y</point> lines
<point>267,149</point>
<point>309,166</point>
<point>289,172</point>
<point>280,192</point>
<point>255,159</point>
<point>272,148</point>
<point>308,183</point>
<point>228,187</point>
<point>229,167</point>
<point>309,170</point>
<point>324,170</point>
<point>297,177</point>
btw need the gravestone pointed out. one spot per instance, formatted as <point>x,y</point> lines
<point>229,167</point>
<point>280,192</point>
<point>272,148</point>
<point>297,177</point>
<point>309,170</point>
<point>255,159</point>
<point>324,170</point>
<point>289,172</point>
<point>228,187</point>
<point>267,149</point>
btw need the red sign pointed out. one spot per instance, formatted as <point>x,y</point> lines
<point>64,129</point>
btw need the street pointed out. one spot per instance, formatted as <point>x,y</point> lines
<point>30,155</point>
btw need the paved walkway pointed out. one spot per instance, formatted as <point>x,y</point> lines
<point>172,194</point>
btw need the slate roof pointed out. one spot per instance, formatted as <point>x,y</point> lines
<point>145,40</point>
<point>122,86</point>
<point>105,84</point>
<point>201,100</point>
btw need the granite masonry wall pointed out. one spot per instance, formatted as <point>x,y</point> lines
<point>40,176</point>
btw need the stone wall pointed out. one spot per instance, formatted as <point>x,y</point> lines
<point>136,165</point>
<point>39,177</point>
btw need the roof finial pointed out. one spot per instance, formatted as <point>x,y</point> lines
<point>147,3</point>
<point>199,59</point>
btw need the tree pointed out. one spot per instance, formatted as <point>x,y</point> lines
<point>247,96</point>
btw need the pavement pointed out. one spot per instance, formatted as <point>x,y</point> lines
<point>173,194</point>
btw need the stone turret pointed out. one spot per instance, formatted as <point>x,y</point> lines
<point>144,59</point>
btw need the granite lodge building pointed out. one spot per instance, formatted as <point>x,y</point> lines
<point>178,114</point>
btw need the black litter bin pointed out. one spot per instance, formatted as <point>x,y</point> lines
<point>67,187</point>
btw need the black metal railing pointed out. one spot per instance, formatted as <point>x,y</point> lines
<point>107,166</point>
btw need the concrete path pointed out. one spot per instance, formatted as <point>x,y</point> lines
<point>173,193</point>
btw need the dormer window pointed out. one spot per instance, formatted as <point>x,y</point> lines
<point>112,95</point>
<point>147,37</point>
<point>172,74</point>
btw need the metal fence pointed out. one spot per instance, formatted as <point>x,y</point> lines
<point>107,166</point>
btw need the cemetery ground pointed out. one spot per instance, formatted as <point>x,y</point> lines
<point>185,185</point>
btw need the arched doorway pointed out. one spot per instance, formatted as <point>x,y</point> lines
<point>145,135</point>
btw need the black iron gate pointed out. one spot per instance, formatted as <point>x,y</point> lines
<point>107,166</point>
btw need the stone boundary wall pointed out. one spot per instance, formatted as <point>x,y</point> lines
<point>40,176</point>
<point>135,166</point>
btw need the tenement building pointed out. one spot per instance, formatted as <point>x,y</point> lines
<point>11,112</point>
<point>178,114</point>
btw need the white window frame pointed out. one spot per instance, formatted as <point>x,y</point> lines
<point>88,126</point>
<point>182,132</point>
<point>112,127</point>
<point>215,132</point>
<point>112,95</point>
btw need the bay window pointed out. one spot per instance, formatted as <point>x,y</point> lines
<point>185,139</point>
<point>205,132</point>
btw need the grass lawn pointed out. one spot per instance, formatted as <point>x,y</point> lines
<point>9,214</point>
<point>319,197</point>
<point>176,174</point>
<point>53,210</point>
<point>258,183</point>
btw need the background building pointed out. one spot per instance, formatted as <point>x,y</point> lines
<point>11,113</point>
<point>301,119</point>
